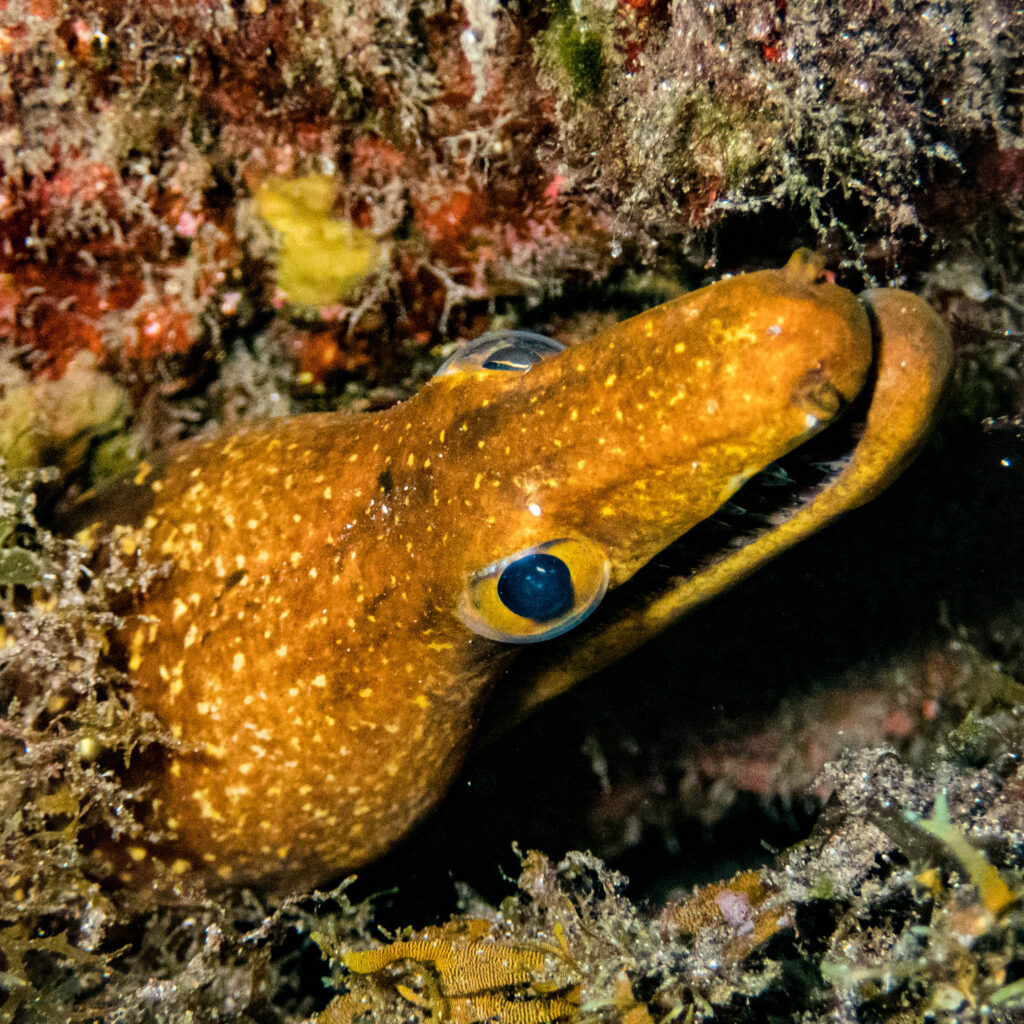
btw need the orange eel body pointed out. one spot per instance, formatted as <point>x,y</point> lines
<point>323,644</point>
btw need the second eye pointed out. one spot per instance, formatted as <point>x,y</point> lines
<point>505,351</point>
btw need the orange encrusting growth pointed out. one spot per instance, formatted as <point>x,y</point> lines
<point>468,974</point>
<point>305,648</point>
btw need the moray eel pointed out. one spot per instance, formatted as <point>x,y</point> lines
<point>345,590</point>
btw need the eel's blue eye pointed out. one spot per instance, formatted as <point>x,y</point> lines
<point>503,351</point>
<point>537,586</point>
<point>537,593</point>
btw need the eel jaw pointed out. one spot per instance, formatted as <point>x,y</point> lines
<point>913,364</point>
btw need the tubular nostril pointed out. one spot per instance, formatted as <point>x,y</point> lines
<point>816,395</point>
<point>806,267</point>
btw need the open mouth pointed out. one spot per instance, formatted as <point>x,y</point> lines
<point>760,509</point>
<point>762,505</point>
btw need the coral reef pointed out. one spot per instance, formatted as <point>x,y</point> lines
<point>553,165</point>
<point>139,145</point>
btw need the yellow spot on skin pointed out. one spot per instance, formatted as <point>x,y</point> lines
<point>135,660</point>
<point>320,681</point>
<point>610,380</point>
<point>367,691</point>
<point>238,662</point>
<point>137,853</point>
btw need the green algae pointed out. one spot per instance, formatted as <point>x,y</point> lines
<point>18,567</point>
<point>576,48</point>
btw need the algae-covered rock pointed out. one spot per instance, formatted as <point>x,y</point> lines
<point>57,420</point>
